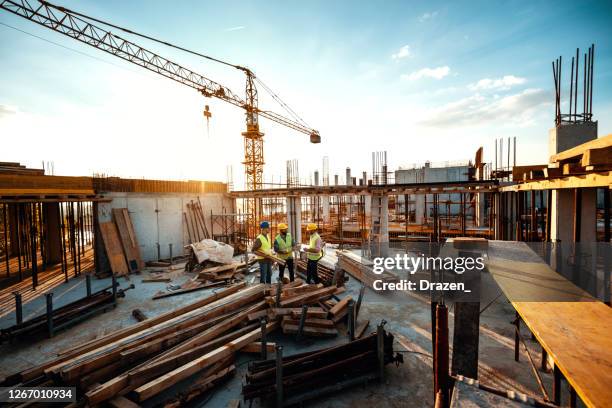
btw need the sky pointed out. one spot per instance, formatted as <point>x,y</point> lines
<point>424,81</point>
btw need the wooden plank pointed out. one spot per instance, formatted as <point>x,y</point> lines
<point>308,297</point>
<point>310,331</point>
<point>571,326</point>
<point>338,307</point>
<point>156,386</point>
<point>361,328</point>
<point>577,151</point>
<point>255,347</point>
<point>122,402</point>
<point>114,250</point>
<point>127,238</point>
<point>326,323</point>
<point>594,157</point>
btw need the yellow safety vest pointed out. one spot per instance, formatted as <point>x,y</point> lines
<point>265,247</point>
<point>284,245</point>
<point>313,244</point>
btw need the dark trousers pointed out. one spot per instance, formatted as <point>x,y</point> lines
<point>265,271</point>
<point>312,275</point>
<point>289,265</point>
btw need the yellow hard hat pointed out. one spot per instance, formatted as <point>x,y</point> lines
<point>283,226</point>
<point>311,226</point>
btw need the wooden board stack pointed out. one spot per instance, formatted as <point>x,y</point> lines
<point>361,268</point>
<point>142,360</point>
<point>326,274</point>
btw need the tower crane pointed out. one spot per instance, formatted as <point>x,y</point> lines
<point>82,28</point>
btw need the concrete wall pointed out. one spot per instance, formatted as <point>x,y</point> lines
<point>428,174</point>
<point>158,218</point>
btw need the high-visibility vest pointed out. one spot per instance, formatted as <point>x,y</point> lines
<point>265,247</point>
<point>284,245</point>
<point>315,256</point>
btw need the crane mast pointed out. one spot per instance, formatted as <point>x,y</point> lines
<point>80,28</point>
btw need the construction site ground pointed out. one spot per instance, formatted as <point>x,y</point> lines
<point>408,318</point>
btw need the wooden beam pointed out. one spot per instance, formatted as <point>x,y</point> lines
<point>579,150</point>
<point>156,386</point>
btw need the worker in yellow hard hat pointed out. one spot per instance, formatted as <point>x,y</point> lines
<point>314,252</point>
<point>262,246</point>
<point>284,246</point>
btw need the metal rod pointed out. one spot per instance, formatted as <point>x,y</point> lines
<point>380,342</point>
<point>264,345</point>
<point>302,321</point>
<point>279,375</point>
<point>441,351</point>
<point>351,320</point>
<point>88,284</point>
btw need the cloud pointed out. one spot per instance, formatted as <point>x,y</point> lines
<point>501,84</point>
<point>403,52</point>
<point>6,110</point>
<point>436,73</point>
<point>477,109</point>
<point>428,16</point>
<point>237,28</point>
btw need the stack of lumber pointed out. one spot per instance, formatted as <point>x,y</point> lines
<point>120,243</point>
<point>142,360</point>
<point>321,318</point>
<point>314,373</point>
<point>194,222</point>
<point>361,268</point>
<point>325,274</point>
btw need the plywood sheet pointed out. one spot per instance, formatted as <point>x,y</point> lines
<point>128,239</point>
<point>114,250</point>
<point>573,327</point>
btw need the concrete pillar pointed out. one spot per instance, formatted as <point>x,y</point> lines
<point>379,228</point>
<point>562,138</point>
<point>349,179</point>
<point>566,136</point>
<point>53,249</point>
<point>419,201</point>
<point>294,217</point>
<point>325,208</point>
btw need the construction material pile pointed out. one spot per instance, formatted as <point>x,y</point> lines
<point>362,269</point>
<point>315,373</point>
<point>143,360</point>
<point>326,274</point>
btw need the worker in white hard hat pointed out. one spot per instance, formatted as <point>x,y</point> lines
<point>262,246</point>
<point>284,246</point>
<point>314,252</point>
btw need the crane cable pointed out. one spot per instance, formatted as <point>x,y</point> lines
<point>286,107</point>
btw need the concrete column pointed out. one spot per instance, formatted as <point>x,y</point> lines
<point>53,247</point>
<point>294,217</point>
<point>325,208</point>
<point>562,138</point>
<point>379,228</point>
<point>419,201</point>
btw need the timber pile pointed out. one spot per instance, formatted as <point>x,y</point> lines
<point>315,373</point>
<point>140,361</point>
<point>361,269</point>
<point>326,274</point>
<point>322,316</point>
<point>195,223</point>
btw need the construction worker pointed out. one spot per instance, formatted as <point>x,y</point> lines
<point>314,252</point>
<point>283,246</point>
<point>263,245</point>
